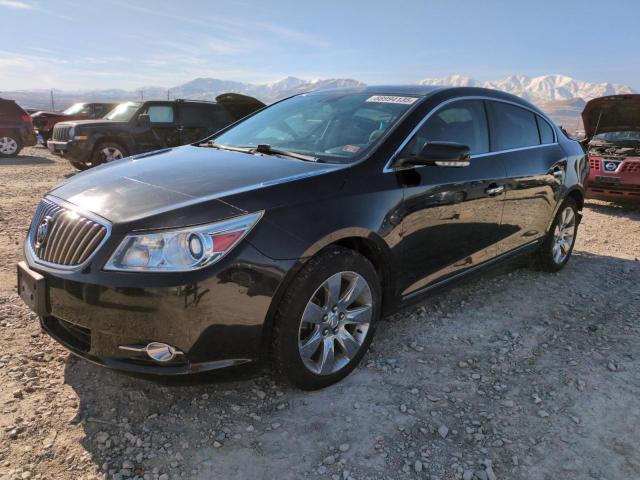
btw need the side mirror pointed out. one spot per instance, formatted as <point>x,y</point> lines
<point>144,120</point>
<point>442,154</point>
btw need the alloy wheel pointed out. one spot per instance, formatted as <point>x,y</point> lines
<point>109,154</point>
<point>563,235</point>
<point>335,323</point>
<point>8,145</point>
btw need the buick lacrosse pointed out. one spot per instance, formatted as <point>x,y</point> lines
<point>289,234</point>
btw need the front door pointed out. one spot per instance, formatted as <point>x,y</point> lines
<point>451,215</point>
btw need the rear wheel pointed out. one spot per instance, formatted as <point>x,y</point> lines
<point>558,246</point>
<point>9,145</point>
<point>107,152</point>
<point>327,318</point>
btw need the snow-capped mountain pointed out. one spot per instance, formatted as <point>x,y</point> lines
<point>545,88</point>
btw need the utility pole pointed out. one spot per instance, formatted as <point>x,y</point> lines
<point>53,105</point>
<point>141,95</point>
<point>168,91</point>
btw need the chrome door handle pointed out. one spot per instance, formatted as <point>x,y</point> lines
<point>493,191</point>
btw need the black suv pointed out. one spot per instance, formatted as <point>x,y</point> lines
<point>138,127</point>
<point>16,129</point>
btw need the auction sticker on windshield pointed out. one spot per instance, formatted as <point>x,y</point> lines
<point>392,99</point>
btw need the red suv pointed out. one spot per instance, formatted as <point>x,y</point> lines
<point>44,121</point>
<point>612,127</point>
<point>16,129</point>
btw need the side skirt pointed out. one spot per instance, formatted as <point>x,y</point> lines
<point>494,262</point>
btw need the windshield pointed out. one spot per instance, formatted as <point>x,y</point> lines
<point>75,109</point>
<point>622,136</point>
<point>123,112</point>
<point>333,127</point>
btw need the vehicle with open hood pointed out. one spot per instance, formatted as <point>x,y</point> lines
<point>612,129</point>
<point>287,235</point>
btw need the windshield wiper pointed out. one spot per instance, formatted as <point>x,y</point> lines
<point>231,149</point>
<point>267,150</point>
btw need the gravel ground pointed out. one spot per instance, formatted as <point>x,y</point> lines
<point>513,375</point>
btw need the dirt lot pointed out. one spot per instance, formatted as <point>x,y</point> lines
<point>513,375</point>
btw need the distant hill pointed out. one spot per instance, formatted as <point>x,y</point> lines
<point>562,97</point>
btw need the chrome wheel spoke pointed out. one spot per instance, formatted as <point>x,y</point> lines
<point>333,285</point>
<point>355,289</point>
<point>327,360</point>
<point>349,344</point>
<point>358,315</point>
<point>311,344</point>
<point>312,313</point>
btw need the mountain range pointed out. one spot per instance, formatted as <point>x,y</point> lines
<point>560,96</point>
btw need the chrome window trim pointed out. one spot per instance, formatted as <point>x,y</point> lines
<point>84,213</point>
<point>388,168</point>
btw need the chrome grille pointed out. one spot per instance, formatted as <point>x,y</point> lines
<point>62,132</point>
<point>70,238</point>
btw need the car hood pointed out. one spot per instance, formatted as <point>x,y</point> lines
<point>48,114</point>
<point>171,180</point>
<point>94,123</point>
<point>613,113</point>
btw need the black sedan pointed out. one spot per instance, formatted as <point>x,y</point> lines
<point>289,234</point>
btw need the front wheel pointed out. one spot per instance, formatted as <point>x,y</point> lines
<point>326,320</point>
<point>9,145</point>
<point>558,246</point>
<point>107,152</point>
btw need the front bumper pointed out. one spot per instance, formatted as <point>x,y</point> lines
<point>76,150</point>
<point>623,184</point>
<point>216,322</point>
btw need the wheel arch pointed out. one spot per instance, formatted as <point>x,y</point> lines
<point>368,244</point>
<point>124,143</point>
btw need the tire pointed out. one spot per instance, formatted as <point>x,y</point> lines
<point>555,251</point>
<point>308,297</point>
<point>79,165</point>
<point>106,152</point>
<point>10,145</point>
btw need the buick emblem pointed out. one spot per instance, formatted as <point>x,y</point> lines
<point>610,166</point>
<point>43,231</point>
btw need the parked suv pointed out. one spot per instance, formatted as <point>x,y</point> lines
<point>44,121</point>
<point>137,127</point>
<point>16,129</point>
<point>288,234</point>
<point>612,126</point>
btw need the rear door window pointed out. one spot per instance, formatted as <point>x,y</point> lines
<point>211,117</point>
<point>546,132</point>
<point>513,127</point>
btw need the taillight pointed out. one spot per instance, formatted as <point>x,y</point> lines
<point>26,118</point>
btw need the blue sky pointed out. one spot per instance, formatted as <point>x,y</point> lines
<point>128,44</point>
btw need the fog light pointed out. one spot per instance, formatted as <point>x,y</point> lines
<point>160,352</point>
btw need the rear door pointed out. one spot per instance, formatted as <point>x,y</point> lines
<point>535,166</point>
<point>164,130</point>
<point>451,215</point>
<point>199,120</point>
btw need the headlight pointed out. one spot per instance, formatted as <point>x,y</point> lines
<point>72,132</point>
<point>183,249</point>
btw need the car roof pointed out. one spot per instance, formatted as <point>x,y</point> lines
<point>447,92</point>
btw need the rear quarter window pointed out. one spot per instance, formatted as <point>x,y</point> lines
<point>513,127</point>
<point>546,132</point>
